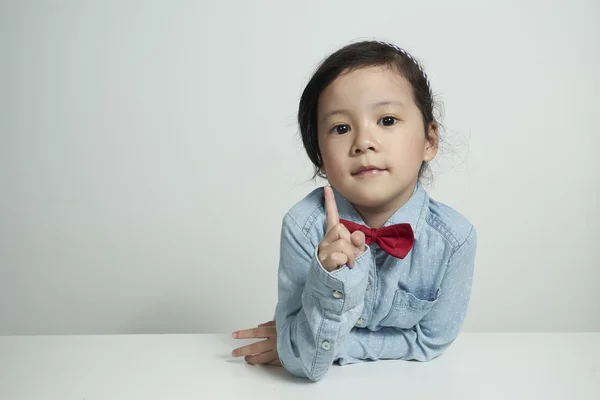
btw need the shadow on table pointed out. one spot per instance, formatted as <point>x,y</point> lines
<point>279,373</point>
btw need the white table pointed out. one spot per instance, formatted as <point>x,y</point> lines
<point>145,367</point>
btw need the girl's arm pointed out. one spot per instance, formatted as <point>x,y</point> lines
<point>316,309</point>
<point>435,332</point>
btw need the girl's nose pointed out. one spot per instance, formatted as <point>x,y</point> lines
<point>364,141</point>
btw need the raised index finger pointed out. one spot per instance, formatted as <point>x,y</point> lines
<point>331,211</point>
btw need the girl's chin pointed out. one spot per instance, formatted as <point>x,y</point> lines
<point>370,199</point>
<point>374,197</point>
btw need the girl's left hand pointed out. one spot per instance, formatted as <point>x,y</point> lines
<point>263,352</point>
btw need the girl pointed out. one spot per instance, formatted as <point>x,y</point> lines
<point>372,267</point>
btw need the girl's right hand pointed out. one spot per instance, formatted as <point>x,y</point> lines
<point>338,247</point>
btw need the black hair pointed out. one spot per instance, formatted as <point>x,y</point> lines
<point>352,57</point>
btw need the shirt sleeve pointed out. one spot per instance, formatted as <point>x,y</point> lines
<point>316,309</point>
<point>435,332</point>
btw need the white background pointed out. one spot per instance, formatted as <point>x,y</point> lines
<point>149,150</point>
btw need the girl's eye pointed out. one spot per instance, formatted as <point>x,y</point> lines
<point>388,121</point>
<point>341,129</point>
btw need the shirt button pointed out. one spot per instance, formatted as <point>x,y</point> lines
<point>361,321</point>
<point>326,345</point>
<point>369,285</point>
<point>337,294</point>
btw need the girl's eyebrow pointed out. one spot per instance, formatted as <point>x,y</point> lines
<point>378,104</point>
<point>389,102</point>
<point>334,112</point>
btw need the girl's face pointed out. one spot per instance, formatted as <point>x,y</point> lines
<point>372,138</point>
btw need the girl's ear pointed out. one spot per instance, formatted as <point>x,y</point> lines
<point>432,141</point>
<point>322,171</point>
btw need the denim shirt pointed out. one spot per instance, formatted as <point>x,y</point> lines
<point>384,307</point>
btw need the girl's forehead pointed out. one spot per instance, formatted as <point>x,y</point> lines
<point>367,85</point>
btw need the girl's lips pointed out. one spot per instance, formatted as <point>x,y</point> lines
<point>374,171</point>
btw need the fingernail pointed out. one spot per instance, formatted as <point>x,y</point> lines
<point>234,335</point>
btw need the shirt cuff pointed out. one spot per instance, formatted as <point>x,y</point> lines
<point>342,289</point>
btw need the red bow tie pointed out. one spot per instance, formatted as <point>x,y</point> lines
<point>396,240</point>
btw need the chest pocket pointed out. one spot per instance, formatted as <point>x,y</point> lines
<point>407,310</point>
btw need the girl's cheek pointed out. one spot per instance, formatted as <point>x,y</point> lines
<point>409,152</point>
<point>332,164</point>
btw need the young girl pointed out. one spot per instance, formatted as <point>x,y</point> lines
<point>372,267</point>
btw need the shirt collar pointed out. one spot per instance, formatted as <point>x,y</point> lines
<point>411,212</point>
